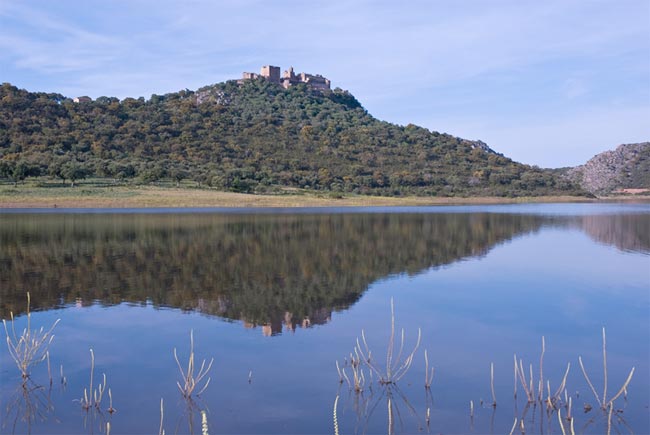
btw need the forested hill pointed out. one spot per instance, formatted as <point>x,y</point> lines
<point>251,137</point>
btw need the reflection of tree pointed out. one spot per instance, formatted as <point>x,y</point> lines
<point>274,270</point>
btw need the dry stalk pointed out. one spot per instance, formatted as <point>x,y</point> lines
<point>604,367</point>
<point>93,396</point>
<point>86,400</point>
<point>190,380</point>
<point>524,383</point>
<point>494,397</point>
<point>604,403</point>
<point>609,419</point>
<point>516,372</point>
<point>31,346</point>
<point>541,371</point>
<point>161,431</point>
<point>559,419</point>
<point>562,386</point>
<point>358,377</point>
<point>110,402</point>
<point>396,367</point>
<point>528,384</point>
<point>427,379</point>
<point>338,370</point>
<point>49,369</point>
<point>99,392</point>
<point>345,376</point>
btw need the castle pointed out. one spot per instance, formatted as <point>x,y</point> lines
<point>289,78</point>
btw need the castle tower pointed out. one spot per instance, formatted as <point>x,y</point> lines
<point>288,74</point>
<point>271,73</point>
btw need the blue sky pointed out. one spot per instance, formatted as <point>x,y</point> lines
<point>550,82</point>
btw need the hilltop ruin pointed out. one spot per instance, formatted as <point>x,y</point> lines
<point>288,78</point>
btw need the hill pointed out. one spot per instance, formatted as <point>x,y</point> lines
<point>252,136</point>
<point>626,167</point>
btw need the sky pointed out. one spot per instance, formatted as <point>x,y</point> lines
<point>548,83</point>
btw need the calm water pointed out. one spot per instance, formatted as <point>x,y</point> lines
<point>276,297</point>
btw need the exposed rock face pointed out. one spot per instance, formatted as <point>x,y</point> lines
<point>626,167</point>
<point>483,146</point>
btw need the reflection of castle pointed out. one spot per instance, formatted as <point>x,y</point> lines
<point>319,317</point>
<point>289,78</point>
<point>279,323</point>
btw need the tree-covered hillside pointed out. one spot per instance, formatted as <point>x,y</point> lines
<point>251,137</point>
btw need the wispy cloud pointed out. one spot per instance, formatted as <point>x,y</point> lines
<point>36,41</point>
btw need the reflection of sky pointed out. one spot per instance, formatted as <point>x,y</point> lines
<point>557,283</point>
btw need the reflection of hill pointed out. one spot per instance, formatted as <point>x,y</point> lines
<point>630,232</point>
<point>263,269</point>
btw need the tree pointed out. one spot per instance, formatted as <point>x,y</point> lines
<point>178,174</point>
<point>6,169</point>
<point>19,172</point>
<point>73,171</point>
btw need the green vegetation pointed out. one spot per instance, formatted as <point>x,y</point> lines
<point>256,137</point>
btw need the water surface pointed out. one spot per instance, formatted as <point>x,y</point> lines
<point>283,294</point>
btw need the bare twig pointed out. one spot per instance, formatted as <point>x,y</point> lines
<point>427,379</point>
<point>604,403</point>
<point>161,431</point>
<point>494,397</point>
<point>541,370</point>
<point>31,347</point>
<point>396,367</point>
<point>190,380</point>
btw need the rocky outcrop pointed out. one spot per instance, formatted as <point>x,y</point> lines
<point>481,145</point>
<point>626,167</point>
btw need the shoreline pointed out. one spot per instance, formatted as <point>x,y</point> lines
<point>118,197</point>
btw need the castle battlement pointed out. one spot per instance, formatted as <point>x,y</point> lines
<point>289,78</point>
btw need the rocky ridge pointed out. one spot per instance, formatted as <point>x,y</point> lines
<point>626,167</point>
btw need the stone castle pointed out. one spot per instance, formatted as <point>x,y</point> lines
<point>289,78</point>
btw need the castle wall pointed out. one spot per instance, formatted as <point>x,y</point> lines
<point>289,78</point>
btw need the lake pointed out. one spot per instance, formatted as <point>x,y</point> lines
<point>278,296</point>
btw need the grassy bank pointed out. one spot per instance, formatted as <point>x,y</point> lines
<point>101,194</point>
